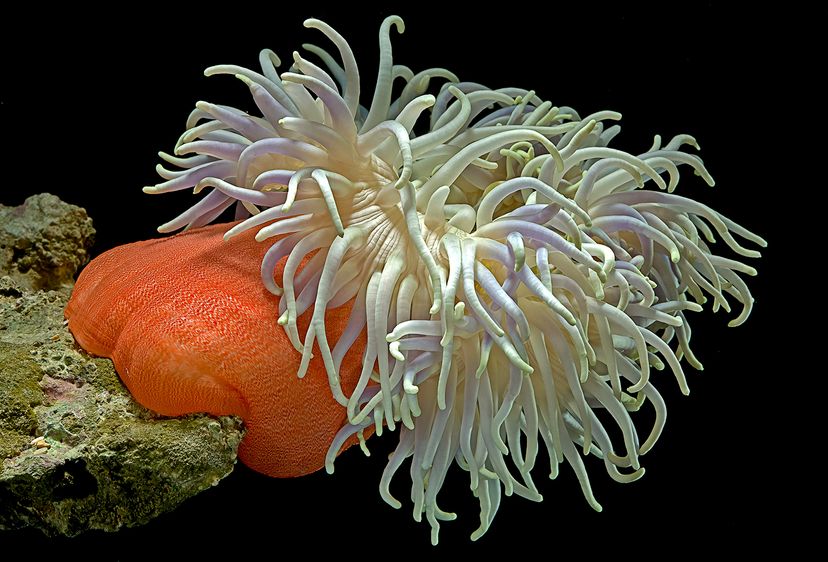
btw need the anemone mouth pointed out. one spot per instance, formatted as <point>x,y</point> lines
<point>513,275</point>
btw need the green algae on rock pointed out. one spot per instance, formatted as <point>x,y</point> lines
<point>20,393</point>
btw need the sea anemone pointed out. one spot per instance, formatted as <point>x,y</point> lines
<point>516,281</point>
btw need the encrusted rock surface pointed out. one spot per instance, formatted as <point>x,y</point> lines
<point>44,241</point>
<point>77,451</point>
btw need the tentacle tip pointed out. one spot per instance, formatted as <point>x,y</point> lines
<point>398,23</point>
<point>150,189</point>
<point>455,91</point>
<point>394,349</point>
<point>247,81</point>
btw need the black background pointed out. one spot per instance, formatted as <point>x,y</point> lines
<point>86,102</point>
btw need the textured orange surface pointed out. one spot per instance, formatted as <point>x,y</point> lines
<point>191,328</point>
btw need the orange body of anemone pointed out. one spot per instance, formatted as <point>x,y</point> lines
<point>191,328</point>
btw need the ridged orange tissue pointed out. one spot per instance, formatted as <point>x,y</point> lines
<point>191,328</point>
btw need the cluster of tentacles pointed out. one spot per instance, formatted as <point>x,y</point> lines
<point>516,283</point>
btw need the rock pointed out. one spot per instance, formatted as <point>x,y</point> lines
<point>44,242</point>
<point>77,451</point>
